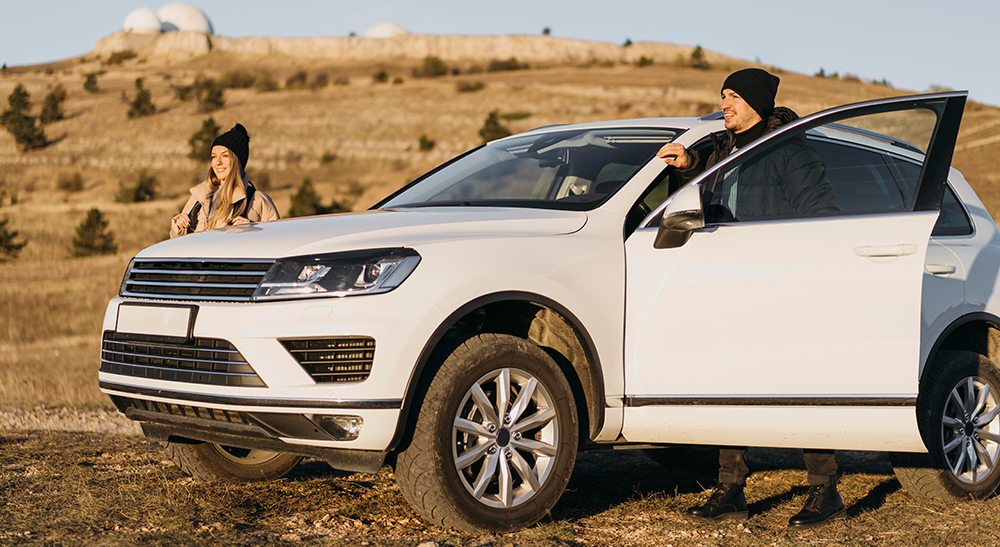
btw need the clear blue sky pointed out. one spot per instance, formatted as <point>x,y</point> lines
<point>912,43</point>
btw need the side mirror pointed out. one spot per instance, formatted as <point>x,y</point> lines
<point>682,215</point>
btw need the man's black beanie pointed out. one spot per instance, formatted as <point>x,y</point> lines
<point>237,140</point>
<point>757,87</point>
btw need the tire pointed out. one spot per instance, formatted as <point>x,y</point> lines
<point>958,413</point>
<point>466,467</point>
<point>213,462</point>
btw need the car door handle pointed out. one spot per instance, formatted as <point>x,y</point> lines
<point>939,269</point>
<point>876,251</point>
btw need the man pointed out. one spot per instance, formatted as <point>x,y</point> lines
<point>787,180</point>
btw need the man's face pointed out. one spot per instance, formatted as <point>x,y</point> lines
<point>738,114</point>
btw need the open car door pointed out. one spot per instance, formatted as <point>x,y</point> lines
<point>791,318</point>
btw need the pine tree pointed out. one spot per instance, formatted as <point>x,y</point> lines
<point>52,108</point>
<point>93,237</point>
<point>492,128</point>
<point>698,59</point>
<point>144,189</point>
<point>142,104</point>
<point>90,84</point>
<point>19,123</point>
<point>8,248</point>
<point>305,201</point>
<point>201,141</point>
<point>211,97</point>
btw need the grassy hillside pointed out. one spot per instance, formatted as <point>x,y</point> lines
<point>51,304</point>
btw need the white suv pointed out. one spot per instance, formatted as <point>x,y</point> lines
<point>541,294</point>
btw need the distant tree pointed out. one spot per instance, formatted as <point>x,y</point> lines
<point>90,82</point>
<point>426,143</point>
<point>342,80</point>
<point>9,249</point>
<point>118,57</point>
<point>201,141</point>
<point>546,31</point>
<point>306,202</point>
<point>628,42</point>
<point>19,123</point>
<point>237,79</point>
<point>265,82</point>
<point>432,67</point>
<point>144,189</point>
<point>322,80</point>
<point>52,108</point>
<point>492,128</point>
<point>211,97</point>
<point>142,104</point>
<point>93,237</point>
<point>466,86</point>
<point>821,73</point>
<point>352,34</point>
<point>380,77</point>
<point>328,157</point>
<point>70,183</point>
<point>497,65</point>
<point>643,61</point>
<point>297,80</point>
<point>698,60</point>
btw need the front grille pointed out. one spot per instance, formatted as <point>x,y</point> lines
<point>201,361</point>
<point>181,279</point>
<point>214,414</point>
<point>347,359</point>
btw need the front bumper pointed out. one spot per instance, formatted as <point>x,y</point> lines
<point>283,409</point>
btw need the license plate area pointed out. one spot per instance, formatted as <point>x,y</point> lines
<point>156,322</point>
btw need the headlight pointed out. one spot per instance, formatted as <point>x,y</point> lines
<point>337,274</point>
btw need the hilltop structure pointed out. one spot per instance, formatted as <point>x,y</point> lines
<point>170,18</point>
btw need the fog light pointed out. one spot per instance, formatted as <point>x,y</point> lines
<point>341,428</point>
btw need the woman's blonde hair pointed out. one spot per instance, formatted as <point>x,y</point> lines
<point>223,211</point>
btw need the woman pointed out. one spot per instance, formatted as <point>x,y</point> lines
<point>226,197</point>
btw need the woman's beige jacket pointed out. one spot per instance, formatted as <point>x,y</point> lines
<point>261,210</point>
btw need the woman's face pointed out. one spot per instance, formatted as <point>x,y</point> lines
<point>221,161</point>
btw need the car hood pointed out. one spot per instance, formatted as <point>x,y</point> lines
<point>367,230</point>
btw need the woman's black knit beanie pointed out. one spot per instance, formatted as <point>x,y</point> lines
<point>757,87</point>
<point>237,140</point>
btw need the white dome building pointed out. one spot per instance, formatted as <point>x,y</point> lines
<point>184,17</point>
<point>386,30</point>
<point>142,21</point>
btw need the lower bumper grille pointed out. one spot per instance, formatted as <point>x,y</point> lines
<point>346,359</point>
<point>202,361</point>
<point>169,409</point>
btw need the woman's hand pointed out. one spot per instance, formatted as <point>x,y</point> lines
<point>180,223</point>
<point>239,220</point>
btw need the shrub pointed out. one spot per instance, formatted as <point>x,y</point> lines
<point>492,128</point>
<point>465,86</point>
<point>93,236</point>
<point>628,42</point>
<point>19,123</point>
<point>643,61</point>
<point>546,31</point>
<point>514,116</point>
<point>380,77</point>
<point>9,249</point>
<point>211,97</point>
<point>328,157</point>
<point>70,183</point>
<point>850,78</point>
<point>321,81</point>
<point>265,82</point>
<point>90,81</point>
<point>496,65</point>
<point>821,73</point>
<point>183,92</point>
<point>883,82</point>
<point>237,79</point>
<point>201,141</point>
<point>297,80</point>
<point>426,143</point>
<point>698,60</point>
<point>397,80</point>
<point>118,57</point>
<point>341,80</point>
<point>306,202</point>
<point>144,189</point>
<point>432,67</point>
<point>52,109</point>
<point>142,104</point>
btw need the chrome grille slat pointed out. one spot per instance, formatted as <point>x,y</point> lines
<point>215,280</point>
<point>179,362</point>
<point>341,359</point>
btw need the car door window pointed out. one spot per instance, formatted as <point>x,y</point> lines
<point>840,168</point>
<point>953,220</point>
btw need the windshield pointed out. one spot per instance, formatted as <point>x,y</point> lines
<point>573,169</point>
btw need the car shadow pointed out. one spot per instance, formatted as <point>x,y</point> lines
<point>874,498</point>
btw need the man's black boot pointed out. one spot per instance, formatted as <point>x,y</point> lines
<point>822,506</point>
<point>726,502</point>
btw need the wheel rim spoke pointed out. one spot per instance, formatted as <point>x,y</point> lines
<point>971,460</point>
<point>959,462</point>
<point>484,405</point>
<point>472,455</point>
<point>506,483</point>
<point>524,469</point>
<point>957,399</point>
<point>983,455</point>
<point>987,436</point>
<point>535,447</point>
<point>955,443</point>
<point>988,417</point>
<point>523,399</point>
<point>981,400</point>
<point>486,475</point>
<point>970,392</point>
<point>503,392</point>
<point>468,426</point>
<point>952,422</point>
<point>536,420</point>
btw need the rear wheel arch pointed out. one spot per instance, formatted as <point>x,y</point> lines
<point>527,315</point>
<point>977,332</point>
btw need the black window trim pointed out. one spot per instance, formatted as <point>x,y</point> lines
<point>965,210</point>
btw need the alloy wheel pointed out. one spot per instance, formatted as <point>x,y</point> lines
<point>970,430</point>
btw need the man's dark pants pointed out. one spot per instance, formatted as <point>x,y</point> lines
<point>820,464</point>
